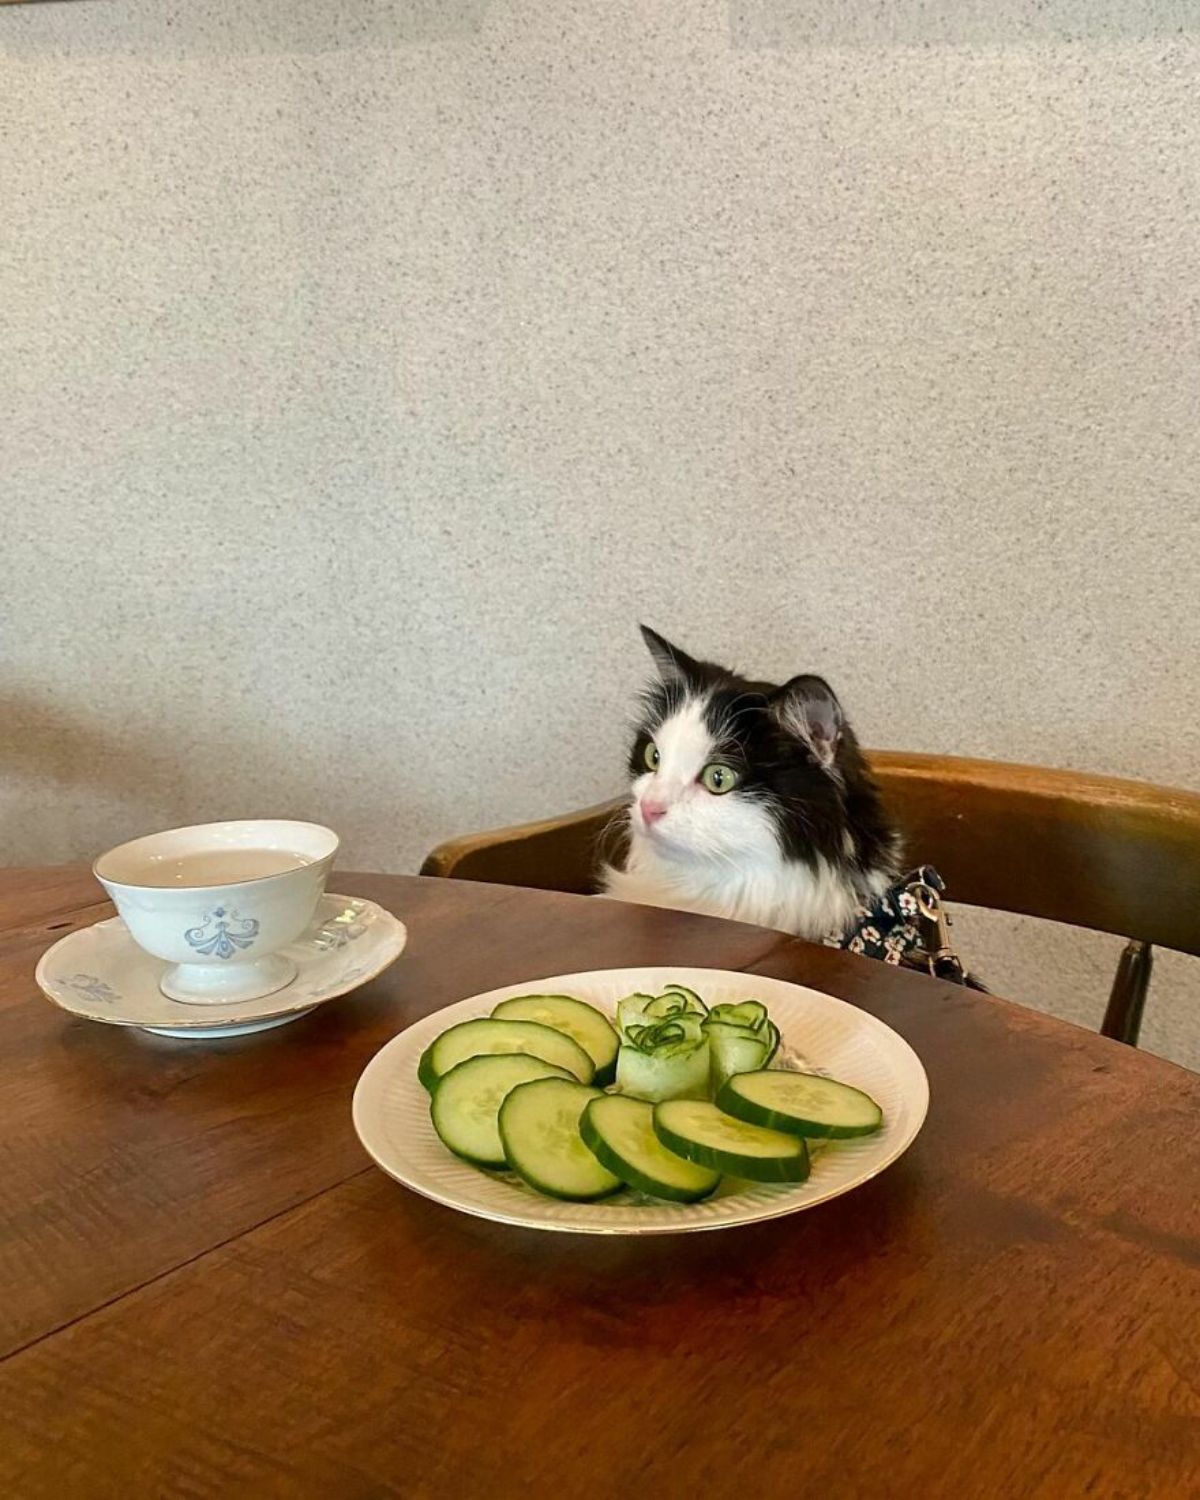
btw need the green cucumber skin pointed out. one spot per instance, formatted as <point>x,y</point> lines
<point>487,1163</point>
<point>682,989</point>
<point>749,1013</point>
<point>734,1050</point>
<point>428,1075</point>
<point>549,1192</point>
<point>471,1161</point>
<point>630,1175</point>
<point>669,1003</point>
<point>748,1168</point>
<point>606,1067</point>
<point>746,1110</point>
<point>526,1175</point>
<point>641,1075</point>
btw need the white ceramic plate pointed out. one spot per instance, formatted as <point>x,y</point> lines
<point>391,1109</point>
<point>100,973</point>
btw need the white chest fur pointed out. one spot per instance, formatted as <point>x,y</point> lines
<point>762,887</point>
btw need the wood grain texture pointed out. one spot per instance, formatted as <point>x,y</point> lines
<point>129,1153</point>
<point>1093,851</point>
<point>1012,1310</point>
<point>554,854</point>
<point>53,896</point>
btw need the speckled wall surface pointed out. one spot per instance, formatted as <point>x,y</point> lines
<point>370,367</point>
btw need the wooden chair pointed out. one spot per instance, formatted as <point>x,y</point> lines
<point>1093,851</point>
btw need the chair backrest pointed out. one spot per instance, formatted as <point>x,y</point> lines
<point>557,854</point>
<point>1094,851</point>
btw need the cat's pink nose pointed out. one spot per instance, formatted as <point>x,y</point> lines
<point>652,811</point>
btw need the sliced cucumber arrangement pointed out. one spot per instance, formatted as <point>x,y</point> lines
<point>621,1134</point>
<point>588,1026</point>
<point>732,1049</point>
<point>702,1133</point>
<point>749,1013</point>
<point>694,1001</point>
<point>692,1096</point>
<point>801,1104</point>
<point>488,1037</point>
<point>741,1038</point>
<point>466,1102</point>
<point>539,1127</point>
<point>632,1011</point>
<point>664,1059</point>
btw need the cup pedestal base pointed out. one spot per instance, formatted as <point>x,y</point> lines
<point>218,984</point>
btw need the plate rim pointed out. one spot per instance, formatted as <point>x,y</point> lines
<point>202,1022</point>
<point>775,1209</point>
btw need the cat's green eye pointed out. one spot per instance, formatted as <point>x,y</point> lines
<point>719,779</point>
<point>651,756</point>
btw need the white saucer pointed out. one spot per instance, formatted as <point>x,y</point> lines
<point>100,973</point>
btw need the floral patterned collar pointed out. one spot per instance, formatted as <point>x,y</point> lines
<point>890,927</point>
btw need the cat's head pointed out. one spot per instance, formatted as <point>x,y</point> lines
<point>725,767</point>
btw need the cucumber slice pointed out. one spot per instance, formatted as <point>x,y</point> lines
<point>752,1013</point>
<point>621,1134</point>
<point>667,1007</point>
<point>539,1130</point>
<point>675,1001</point>
<point>671,1003</point>
<point>584,1023</point>
<point>677,1034</point>
<point>691,996</point>
<point>772,1044</point>
<point>734,1049</point>
<point>703,1134</point>
<point>466,1102</point>
<point>664,1062</point>
<point>472,1038</point>
<point>632,1010</point>
<point>801,1104</point>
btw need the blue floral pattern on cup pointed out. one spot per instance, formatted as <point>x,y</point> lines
<point>222,933</point>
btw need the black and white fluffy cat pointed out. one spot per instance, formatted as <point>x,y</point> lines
<point>751,801</point>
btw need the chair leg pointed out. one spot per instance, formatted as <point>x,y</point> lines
<point>1123,1018</point>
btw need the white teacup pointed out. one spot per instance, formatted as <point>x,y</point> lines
<point>219,900</point>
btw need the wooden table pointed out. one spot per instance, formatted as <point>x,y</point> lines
<point>206,1290</point>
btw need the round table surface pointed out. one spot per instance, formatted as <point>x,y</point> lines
<point>206,1289</point>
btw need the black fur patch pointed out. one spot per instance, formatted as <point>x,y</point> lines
<point>832,811</point>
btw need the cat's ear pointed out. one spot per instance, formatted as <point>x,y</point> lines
<point>807,707</point>
<point>673,664</point>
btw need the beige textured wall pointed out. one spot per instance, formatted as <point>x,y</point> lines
<point>369,367</point>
